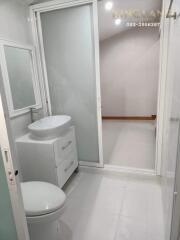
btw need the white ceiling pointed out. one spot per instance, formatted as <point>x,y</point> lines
<point>107,28</point>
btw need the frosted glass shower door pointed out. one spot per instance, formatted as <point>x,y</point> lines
<point>69,48</point>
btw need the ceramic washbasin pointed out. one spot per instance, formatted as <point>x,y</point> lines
<point>50,127</point>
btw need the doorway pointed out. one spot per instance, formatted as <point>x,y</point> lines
<point>137,109</point>
<point>129,69</point>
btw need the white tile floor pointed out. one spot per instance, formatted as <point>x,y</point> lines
<point>129,143</point>
<point>104,206</point>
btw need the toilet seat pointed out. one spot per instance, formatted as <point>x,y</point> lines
<point>42,198</point>
<point>46,218</point>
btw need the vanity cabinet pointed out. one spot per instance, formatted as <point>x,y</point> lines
<point>52,160</point>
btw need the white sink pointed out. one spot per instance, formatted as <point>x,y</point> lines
<point>50,127</point>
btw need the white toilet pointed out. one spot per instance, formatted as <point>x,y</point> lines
<point>44,204</point>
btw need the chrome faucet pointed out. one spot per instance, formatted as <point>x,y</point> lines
<point>34,110</point>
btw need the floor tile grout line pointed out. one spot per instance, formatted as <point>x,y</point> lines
<point>119,214</point>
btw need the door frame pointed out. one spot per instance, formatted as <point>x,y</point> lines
<point>175,217</point>
<point>13,182</point>
<point>163,60</point>
<point>35,11</point>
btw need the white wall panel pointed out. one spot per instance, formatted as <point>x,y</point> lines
<point>129,64</point>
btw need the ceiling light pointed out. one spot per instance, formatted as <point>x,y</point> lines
<point>117,21</point>
<point>108,5</point>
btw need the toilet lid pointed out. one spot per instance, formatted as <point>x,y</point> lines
<point>41,198</point>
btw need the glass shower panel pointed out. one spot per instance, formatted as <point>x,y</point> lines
<point>70,61</point>
<point>7,226</point>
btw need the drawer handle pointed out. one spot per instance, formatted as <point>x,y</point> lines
<point>64,147</point>
<point>71,163</point>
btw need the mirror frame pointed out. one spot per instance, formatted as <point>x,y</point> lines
<point>3,63</point>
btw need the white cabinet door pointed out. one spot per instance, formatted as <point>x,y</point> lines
<point>13,225</point>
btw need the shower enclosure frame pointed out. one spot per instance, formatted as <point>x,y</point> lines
<point>35,11</point>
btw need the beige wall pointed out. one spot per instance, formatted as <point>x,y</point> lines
<point>129,65</point>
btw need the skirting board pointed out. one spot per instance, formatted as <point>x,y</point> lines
<point>149,118</point>
<point>137,171</point>
<point>90,164</point>
<point>121,170</point>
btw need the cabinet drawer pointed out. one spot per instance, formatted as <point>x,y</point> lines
<point>66,168</point>
<point>65,145</point>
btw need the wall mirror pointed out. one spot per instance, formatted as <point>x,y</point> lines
<point>20,78</point>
